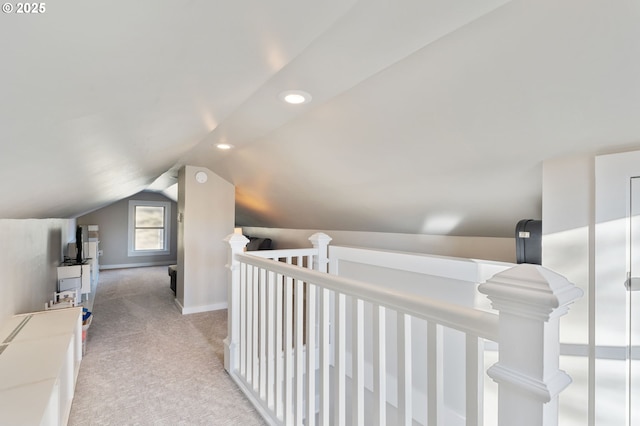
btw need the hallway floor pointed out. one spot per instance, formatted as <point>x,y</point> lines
<point>146,364</point>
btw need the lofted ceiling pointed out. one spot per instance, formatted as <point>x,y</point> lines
<point>428,116</point>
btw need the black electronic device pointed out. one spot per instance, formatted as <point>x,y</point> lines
<point>79,245</point>
<point>529,241</point>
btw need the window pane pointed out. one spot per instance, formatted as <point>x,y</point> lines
<point>149,217</point>
<point>149,239</point>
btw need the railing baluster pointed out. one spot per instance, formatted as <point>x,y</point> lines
<point>311,355</point>
<point>474,380</point>
<point>379,365</point>
<point>279,349</point>
<point>288,354</point>
<point>243,320</point>
<point>263,334</point>
<point>405,395</point>
<point>255,348</point>
<point>271,339</point>
<point>339,362</point>
<point>299,350</point>
<point>357,370</point>
<point>250,329</point>
<point>434,374</point>
<point>325,347</point>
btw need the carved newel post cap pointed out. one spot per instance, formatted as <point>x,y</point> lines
<point>236,240</point>
<point>320,237</point>
<point>531,291</point>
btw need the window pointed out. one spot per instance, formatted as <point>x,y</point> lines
<point>149,227</point>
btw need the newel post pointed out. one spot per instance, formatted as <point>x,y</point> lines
<point>531,299</point>
<point>237,243</point>
<point>320,242</point>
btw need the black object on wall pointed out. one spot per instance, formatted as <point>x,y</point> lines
<point>529,241</point>
<point>79,245</point>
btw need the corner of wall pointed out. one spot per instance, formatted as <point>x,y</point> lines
<point>32,251</point>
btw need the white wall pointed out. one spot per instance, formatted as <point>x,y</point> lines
<point>206,216</point>
<point>567,227</point>
<point>30,251</point>
<point>180,248</point>
<point>501,249</point>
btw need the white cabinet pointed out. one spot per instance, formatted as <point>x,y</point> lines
<point>90,251</point>
<point>77,271</point>
<point>40,357</point>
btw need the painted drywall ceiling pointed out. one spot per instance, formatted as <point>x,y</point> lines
<point>427,116</point>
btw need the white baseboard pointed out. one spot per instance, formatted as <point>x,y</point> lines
<point>178,304</point>
<point>139,265</point>
<point>198,309</point>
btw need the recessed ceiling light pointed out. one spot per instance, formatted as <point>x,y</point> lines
<point>295,97</point>
<point>224,146</point>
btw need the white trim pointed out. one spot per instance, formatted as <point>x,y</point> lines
<point>199,309</point>
<point>139,265</point>
<point>131,228</point>
<point>178,304</point>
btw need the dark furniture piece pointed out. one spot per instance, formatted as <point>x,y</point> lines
<point>259,244</point>
<point>173,273</point>
<point>529,241</point>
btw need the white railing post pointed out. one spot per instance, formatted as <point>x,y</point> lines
<point>320,242</point>
<point>237,243</point>
<point>531,299</point>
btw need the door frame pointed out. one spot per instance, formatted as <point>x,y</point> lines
<point>612,201</point>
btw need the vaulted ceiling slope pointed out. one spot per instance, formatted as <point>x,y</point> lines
<point>428,116</point>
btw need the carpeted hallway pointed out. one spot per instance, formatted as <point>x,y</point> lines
<point>146,364</point>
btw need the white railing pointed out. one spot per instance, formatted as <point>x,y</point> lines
<point>296,343</point>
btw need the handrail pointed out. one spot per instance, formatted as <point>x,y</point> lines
<point>468,320</point>
<point>274,254</point>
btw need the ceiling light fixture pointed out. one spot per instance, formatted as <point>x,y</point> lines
<point>224,146</point>
<point>295,97</point>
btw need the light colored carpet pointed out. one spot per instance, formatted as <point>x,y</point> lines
<point>146,364</point>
